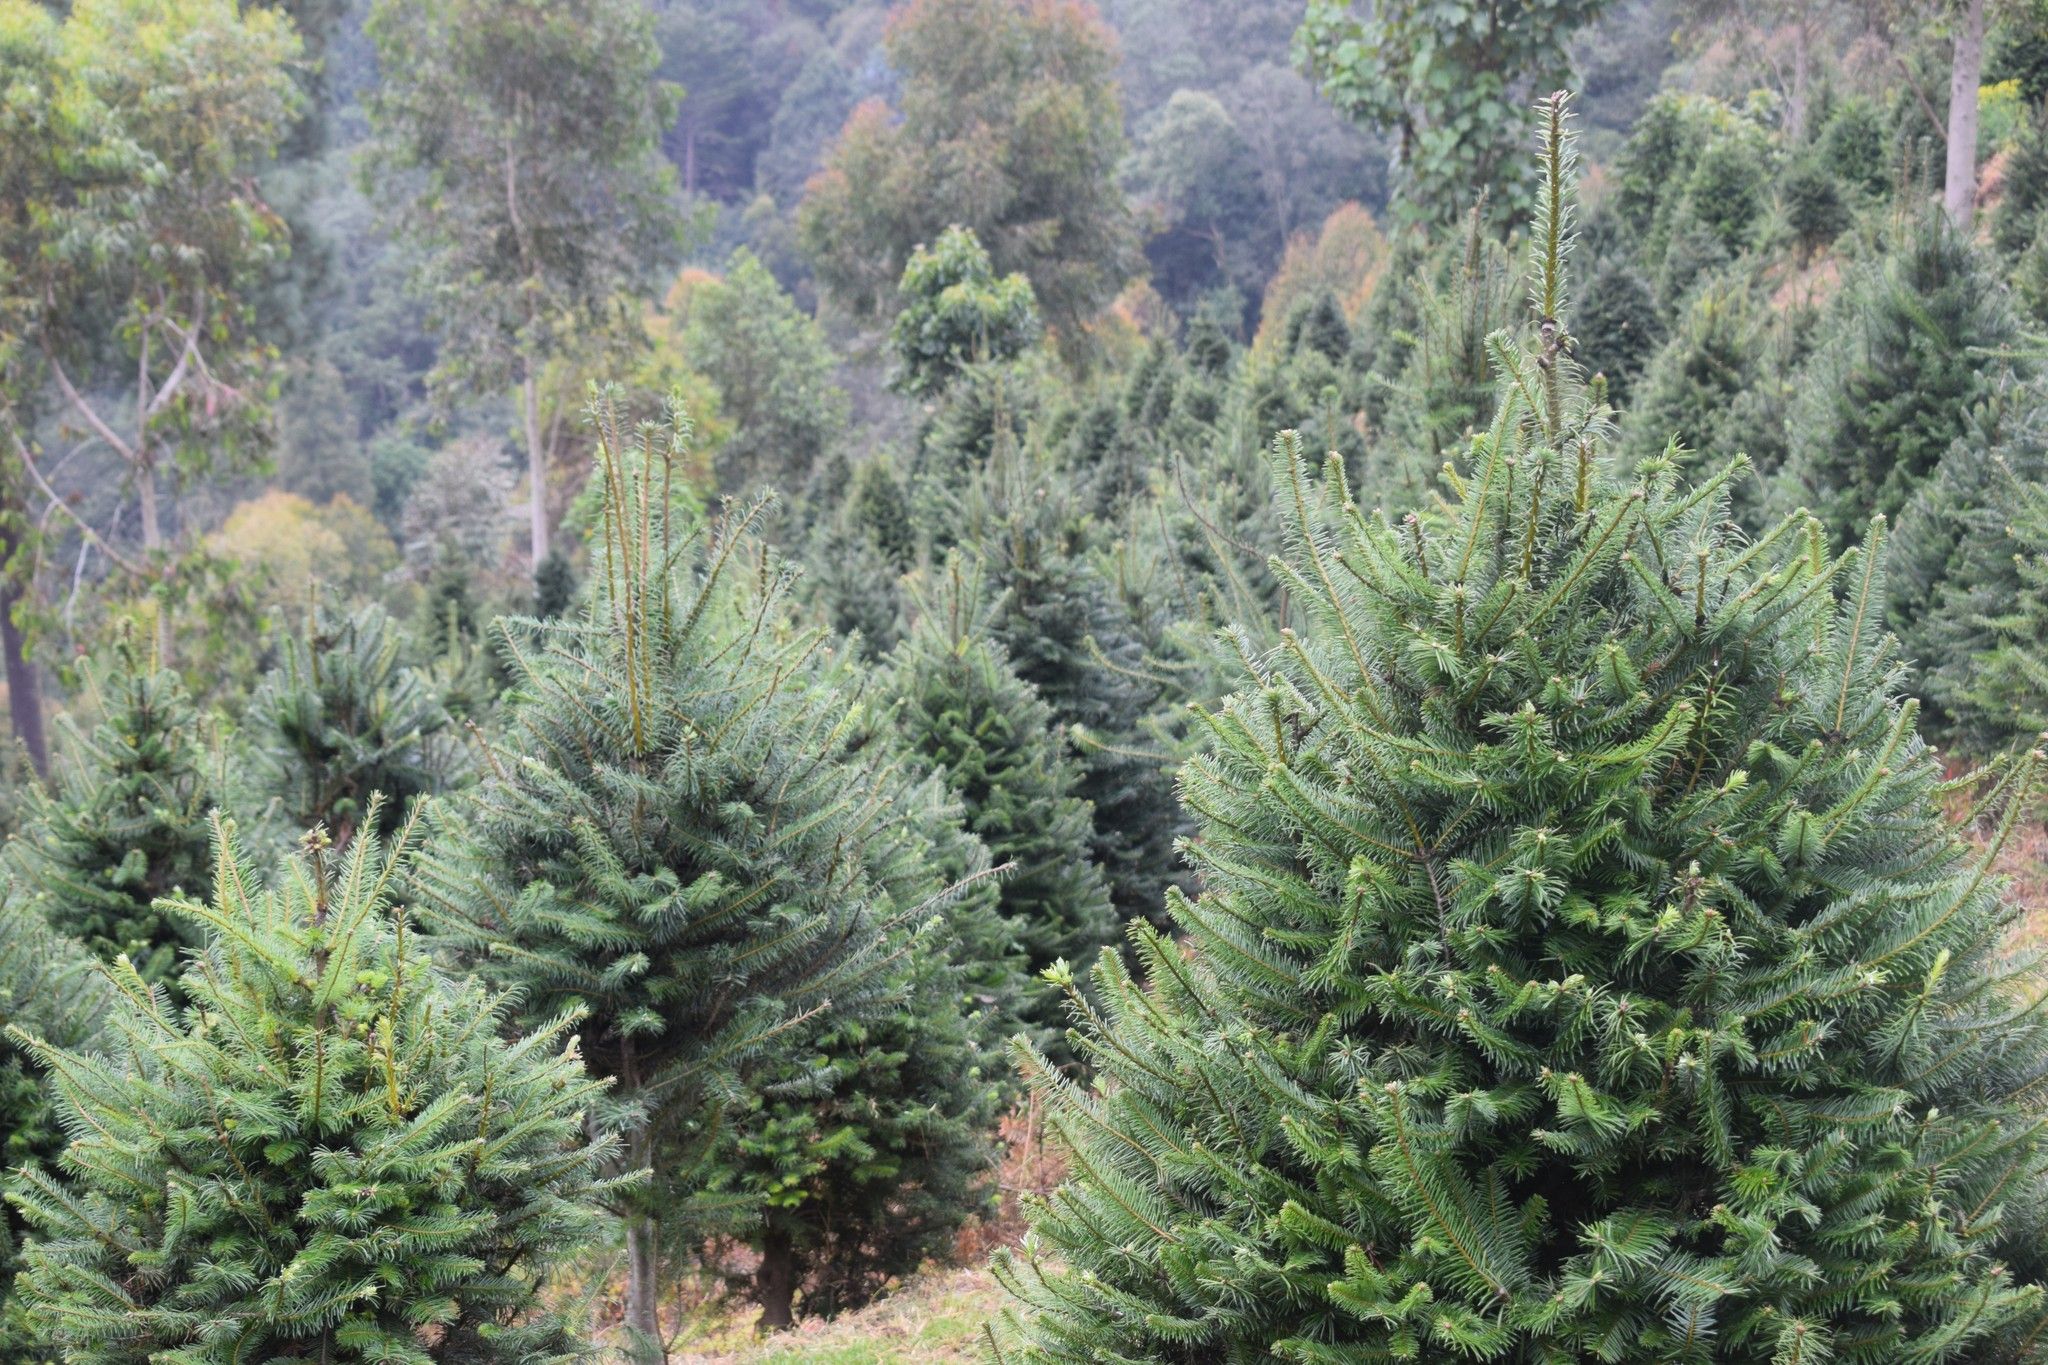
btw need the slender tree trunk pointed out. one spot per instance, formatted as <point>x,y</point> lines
<point>1802,66</point>
<point>24,689</point>
<point>1966,73</point>
<point>775,1281</point>
<point>152,542</point>
<point>536,463</point>
<point>690,159</point>
<point>643,1320</point>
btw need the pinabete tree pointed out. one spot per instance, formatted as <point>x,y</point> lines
<point>668,833</point>
<point>122,822</point>
<point>332,1154</point>
<point>1585,967</point>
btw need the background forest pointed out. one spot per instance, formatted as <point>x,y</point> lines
<point>676,664</point>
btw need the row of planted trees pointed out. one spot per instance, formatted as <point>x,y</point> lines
<point>1584,963</point>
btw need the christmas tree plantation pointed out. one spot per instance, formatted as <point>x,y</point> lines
<point>1584,969</point>
<point>332,1155</point>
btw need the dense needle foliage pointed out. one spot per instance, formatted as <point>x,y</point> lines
<point>1586,966</point>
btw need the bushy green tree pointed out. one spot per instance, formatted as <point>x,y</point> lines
<point>1007,121</point>
<point>1967,590</point>
<point>332,1155</point>
<point>122,823</point>
<point>343,719</point>
<point>1909,348</point>
<point>774,376</point>
<point>1451,79</point>
<point>48,988</point>
<point>996,744</point>
<point>869,1147</point>
<point>669,832</point>
<point>956,311</point>
<point>1586,967</point>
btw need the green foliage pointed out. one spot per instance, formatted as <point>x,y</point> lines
<point>1447,77</point>
<point>956,312</point>
<point>1893,384</point>
<point>342,720</point>
<point>49,988</point>
<point>997,746</point>
<point>122,822</point>
<point>554,586</point>
<point>773,372</point>
<point>515,152</point>
<point>1194,170</point>
<point>1008,122</point>
<point>1620,327</point>
<point>869,1147</point>
<point>1816,208</point>
<point>332,1155</point>
<point>669,833</point>
<point>1969,597</point>
<point>1586,967</point>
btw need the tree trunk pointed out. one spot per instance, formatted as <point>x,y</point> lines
<point>152,542</point>
<point>24,689</point>
<point>643,1321</point>
<point>1966,73</point>
<point>775,1282</point>
<point>536,464</point>
<point>1802,65</point>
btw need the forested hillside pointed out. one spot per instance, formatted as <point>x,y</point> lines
<point>1151,680</point>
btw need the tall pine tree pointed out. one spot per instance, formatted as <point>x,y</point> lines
<point>669,832</point>
<point>332,1155</point>
<point>1585,968</point>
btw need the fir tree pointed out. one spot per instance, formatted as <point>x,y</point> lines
<point>1970,595</point>
<point>554,586</point>
<point>669,832</point>
<point>330,1156</point>
<point>342,719</point>
<point>997,746</point>
<point>48,988</point>
<point>869,1148</point>
<point>1893,385</point>
<point>1585,967</point>
<point>123,820</point>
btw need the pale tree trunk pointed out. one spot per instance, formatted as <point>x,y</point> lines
<point>152,542</point>
<point>24,689</point>
<point>536,464</point>
<point>1802,68</point>
<point>643,1289</point>
<point>1966,73</point>
<point>643,1265</point>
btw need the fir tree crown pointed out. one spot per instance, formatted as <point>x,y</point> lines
<point>1585,965</point>
<point>329,1155</point>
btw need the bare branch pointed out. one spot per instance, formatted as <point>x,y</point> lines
<point>92,419</point>
<point>28,462</point>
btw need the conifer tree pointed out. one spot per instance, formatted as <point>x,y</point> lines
<point>123,820</point>
<point>47,987</point>
<point>669,831</point>
<point>1910,348</point>
<point>1585,967</point>
<point>330,1156</point>
<point>869,1147</point>
<point>995,743</point>
<point>343,719</point>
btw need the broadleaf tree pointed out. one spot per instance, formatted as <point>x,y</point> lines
<point>517,147</point>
